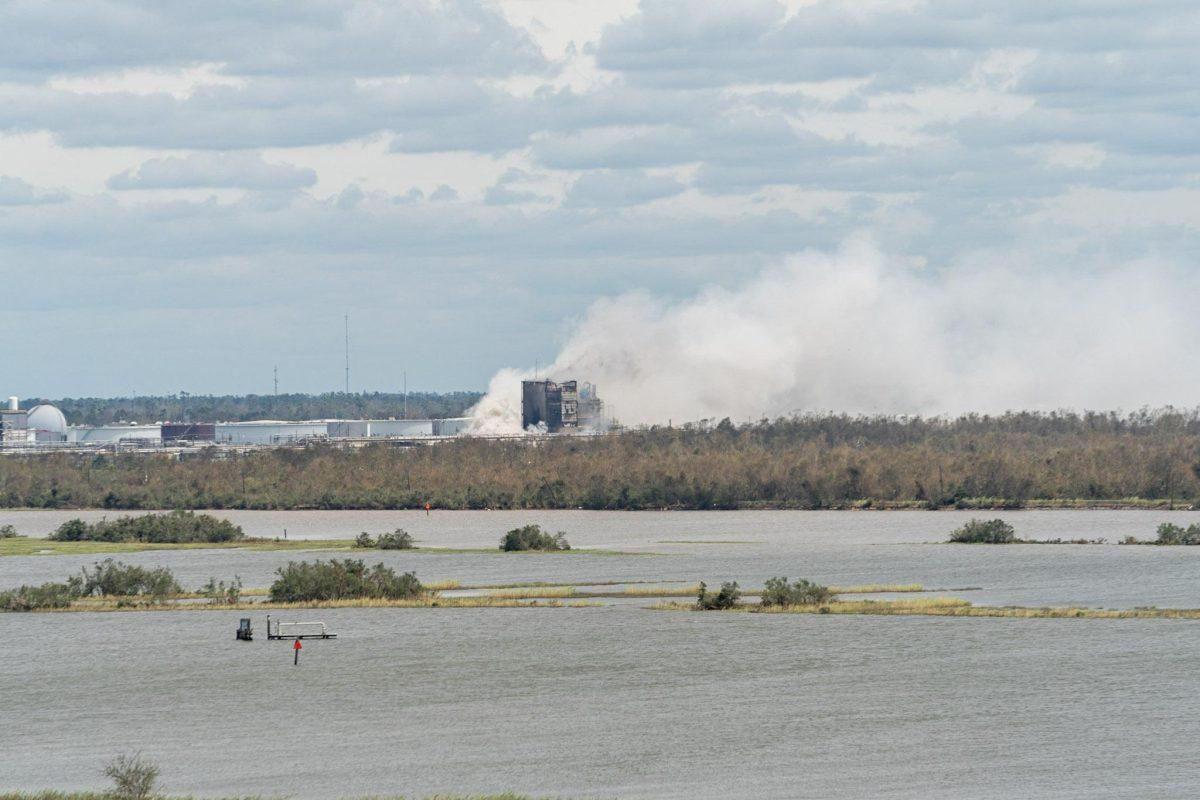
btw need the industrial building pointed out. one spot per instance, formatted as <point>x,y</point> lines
<point>559,407</point>
<point>44,426</point>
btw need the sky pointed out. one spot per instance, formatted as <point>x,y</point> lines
<point>193,194</point>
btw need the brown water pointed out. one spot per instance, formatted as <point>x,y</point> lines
<point>620,701</point>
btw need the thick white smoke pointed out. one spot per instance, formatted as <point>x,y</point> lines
<point>854,332</point>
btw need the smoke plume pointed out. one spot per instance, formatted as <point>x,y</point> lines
<point>854,332</point>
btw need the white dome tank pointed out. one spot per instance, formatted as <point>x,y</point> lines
<point>46,418</point>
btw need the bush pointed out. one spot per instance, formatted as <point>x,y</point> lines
<point>301,581</point>
<point>778,592</point>
<point>726,598</point>
<point>35,598</point>
<point>133,777</point>
<point>532,537</point>
<point>8,532</point>
<point>1169,533</point>
<point>400,540</point>
<point>177,527</point>
<point>114,578</point>
<point>218,594</point>
<point>992,531</point>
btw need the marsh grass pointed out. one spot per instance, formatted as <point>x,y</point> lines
<point>878,588</point>
<point>952,607</point>
<point>546,591</point>
<point>427,601</point>
<point>690,590</point>
<point>710,541</point>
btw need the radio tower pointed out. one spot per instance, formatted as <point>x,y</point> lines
<point>347,354</point>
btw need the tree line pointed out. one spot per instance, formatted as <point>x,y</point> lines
<point>811,462</point>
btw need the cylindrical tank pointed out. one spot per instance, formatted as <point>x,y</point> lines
<point>14,404</point>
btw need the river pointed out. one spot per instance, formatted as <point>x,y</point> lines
<point>623,702</point>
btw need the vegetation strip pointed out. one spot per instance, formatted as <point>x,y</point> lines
<point>997,531</point>
<point>948,607</point>
<point>359,602</point>
<point>1016,460</point>
<point>573,590</point>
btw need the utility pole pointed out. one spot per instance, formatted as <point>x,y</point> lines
<point>406,394</point>
<point>347,354</point>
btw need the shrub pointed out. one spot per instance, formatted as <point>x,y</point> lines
<point>1169,533</point>
<point>400,540</point>
<point>133,777</point>
<point>532,537</point>
<point>177,527</point>
<point>114,578</point>
<point>992,531</point>
<point>778,592</point>
<point>34,598</point>
<point>8,532</point>
<point>218,594</point>
<point>724,599</point>
<point>364,540</point>
<point>337,580</point>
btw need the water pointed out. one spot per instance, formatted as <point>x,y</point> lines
<point>620,701</point>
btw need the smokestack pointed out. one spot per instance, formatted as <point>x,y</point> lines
<point>14,404</point>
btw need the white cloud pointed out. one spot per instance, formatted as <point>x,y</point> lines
<point>236,170</point>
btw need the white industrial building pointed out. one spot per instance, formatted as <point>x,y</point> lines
<point>148,435</point>
<point>269,432</point>
<point>45,425</point>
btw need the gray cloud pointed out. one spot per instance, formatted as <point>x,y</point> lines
<point>211,170</point>
<point>16,192</point>
<point>972,132</point>
<point>614,189</point>
<point>303,37</point>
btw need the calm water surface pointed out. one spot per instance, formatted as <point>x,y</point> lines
<point>624,702</point>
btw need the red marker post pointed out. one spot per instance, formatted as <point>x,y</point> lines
<point>296,649</point>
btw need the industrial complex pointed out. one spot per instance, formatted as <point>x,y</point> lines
<point>547,407</point>
<point>45,427</point>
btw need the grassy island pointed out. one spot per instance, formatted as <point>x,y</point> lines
<point>951,607</point>
<point>779,596</point>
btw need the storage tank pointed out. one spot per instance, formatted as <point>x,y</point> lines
<point>47,423</point>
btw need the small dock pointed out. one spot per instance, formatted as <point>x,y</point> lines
<point>295,631</point>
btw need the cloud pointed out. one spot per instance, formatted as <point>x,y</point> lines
<point>1059,136</point>
<point>614,189</point>
<point>213,170</point>
<point>16,192</point>
<point>299,38</point>
<point>509,191</point>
